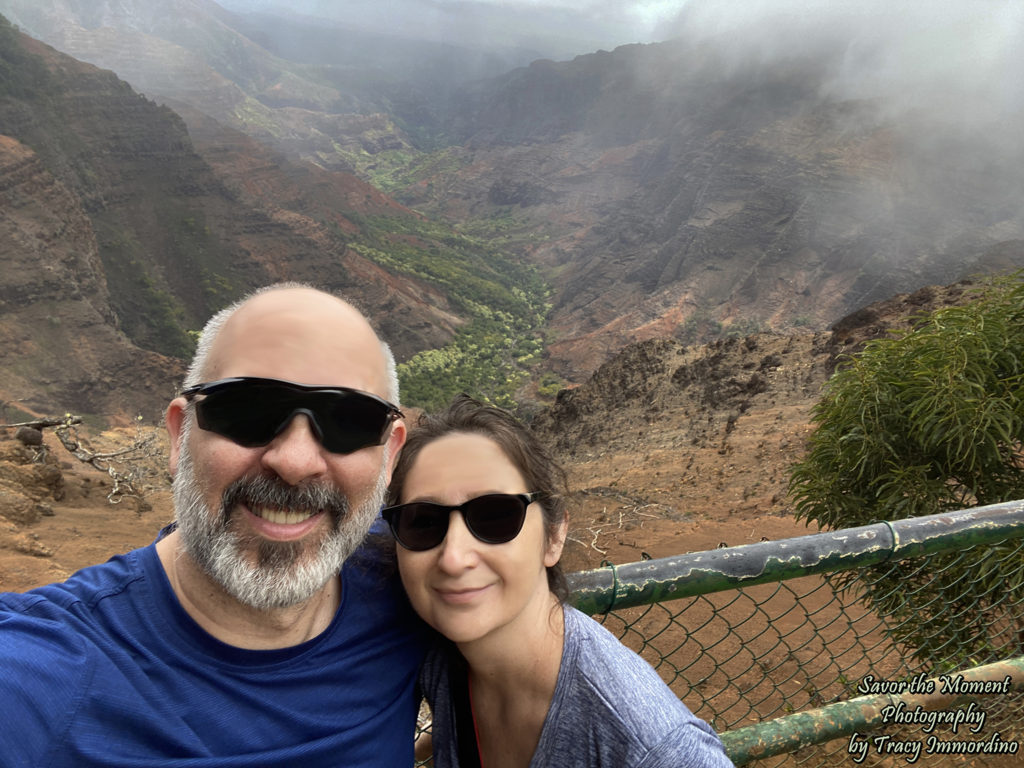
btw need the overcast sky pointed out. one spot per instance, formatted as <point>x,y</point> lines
<point>947,35</point>
<point>954,58</point>
<point>582,26</point>
<point>910,49</point>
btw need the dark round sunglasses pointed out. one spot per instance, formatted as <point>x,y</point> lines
<point>495,518</point>
<point>253,411</point>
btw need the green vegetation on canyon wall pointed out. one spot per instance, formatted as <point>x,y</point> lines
<point>493,354</point>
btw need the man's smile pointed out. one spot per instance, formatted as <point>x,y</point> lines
<point>283,524</point>
<point>284,516</point>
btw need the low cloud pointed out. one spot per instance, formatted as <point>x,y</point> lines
<point>560,29</point>
<point>957,60</point>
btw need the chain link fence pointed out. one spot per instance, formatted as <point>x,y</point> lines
<point>883,645</point>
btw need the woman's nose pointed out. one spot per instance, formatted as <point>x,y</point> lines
<point>459,548</point>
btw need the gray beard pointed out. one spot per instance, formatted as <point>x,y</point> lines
<point>283,573</point>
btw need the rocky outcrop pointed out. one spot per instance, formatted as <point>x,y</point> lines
<point>663,394</point>
<point>30,478</point>
<point>60,347</point>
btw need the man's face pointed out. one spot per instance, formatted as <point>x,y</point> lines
<point>273,524</point>
<point>266,573</point>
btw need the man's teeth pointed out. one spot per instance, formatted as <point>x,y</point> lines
<point>283,517</point>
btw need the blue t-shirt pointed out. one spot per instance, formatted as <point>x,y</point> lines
<point>610,709</point>
<point>107,669</point>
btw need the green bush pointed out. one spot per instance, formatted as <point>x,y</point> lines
<point>926,422</point>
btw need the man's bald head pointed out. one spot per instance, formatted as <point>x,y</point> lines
<point>296,332</point>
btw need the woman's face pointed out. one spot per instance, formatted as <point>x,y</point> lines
<point>466,589</point>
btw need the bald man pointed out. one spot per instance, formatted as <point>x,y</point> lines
<point>262,628</point>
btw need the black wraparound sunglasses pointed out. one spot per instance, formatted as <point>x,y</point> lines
<point>495,518</point>
<point>253,411</point>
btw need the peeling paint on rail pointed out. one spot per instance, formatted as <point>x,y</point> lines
<point>670,578</point>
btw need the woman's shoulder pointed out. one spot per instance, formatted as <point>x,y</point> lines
<point>436,671</point>
<point>623,684</point>
<point>635,718</point>
<point>602,654</point>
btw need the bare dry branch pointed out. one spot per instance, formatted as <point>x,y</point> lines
<point>119,464</point>
<point>47,422</point>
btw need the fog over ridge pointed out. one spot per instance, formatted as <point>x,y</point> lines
<point>948,62</point>
<point>951,57</point>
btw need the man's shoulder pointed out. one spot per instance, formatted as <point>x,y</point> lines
<point>84,587</point>
<point>372,569</point>
<point>375,604</point>
<point>47,666</point>
<point>36,632</point>
<point>59,616</point>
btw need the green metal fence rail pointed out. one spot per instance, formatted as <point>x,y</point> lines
<point>862,714</point>
<point>777,646</point>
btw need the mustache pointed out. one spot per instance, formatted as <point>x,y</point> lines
<point>263,491</point>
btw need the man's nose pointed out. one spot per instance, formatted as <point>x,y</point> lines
<point>459,548</point>
<point>296,454</point>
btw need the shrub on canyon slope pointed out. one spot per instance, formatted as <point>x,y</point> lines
<point>926,422</point>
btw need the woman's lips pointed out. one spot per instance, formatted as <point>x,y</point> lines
<point>460,595</point>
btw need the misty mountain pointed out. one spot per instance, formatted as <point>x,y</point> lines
<point>769,169</point>
<point>691,188</point>
<point>408,78</point>
<point>167,46</point>
<point>191,51</point>
<point>120,238</point>
<point>297,82</point>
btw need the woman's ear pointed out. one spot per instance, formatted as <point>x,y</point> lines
<point>556,541</point>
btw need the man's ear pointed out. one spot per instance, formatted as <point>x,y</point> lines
<point>174,419</point>
<point>394,445</point>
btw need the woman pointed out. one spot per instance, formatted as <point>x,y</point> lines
<point>526,680</point>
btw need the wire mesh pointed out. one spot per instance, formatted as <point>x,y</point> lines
<point>749,655</point>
